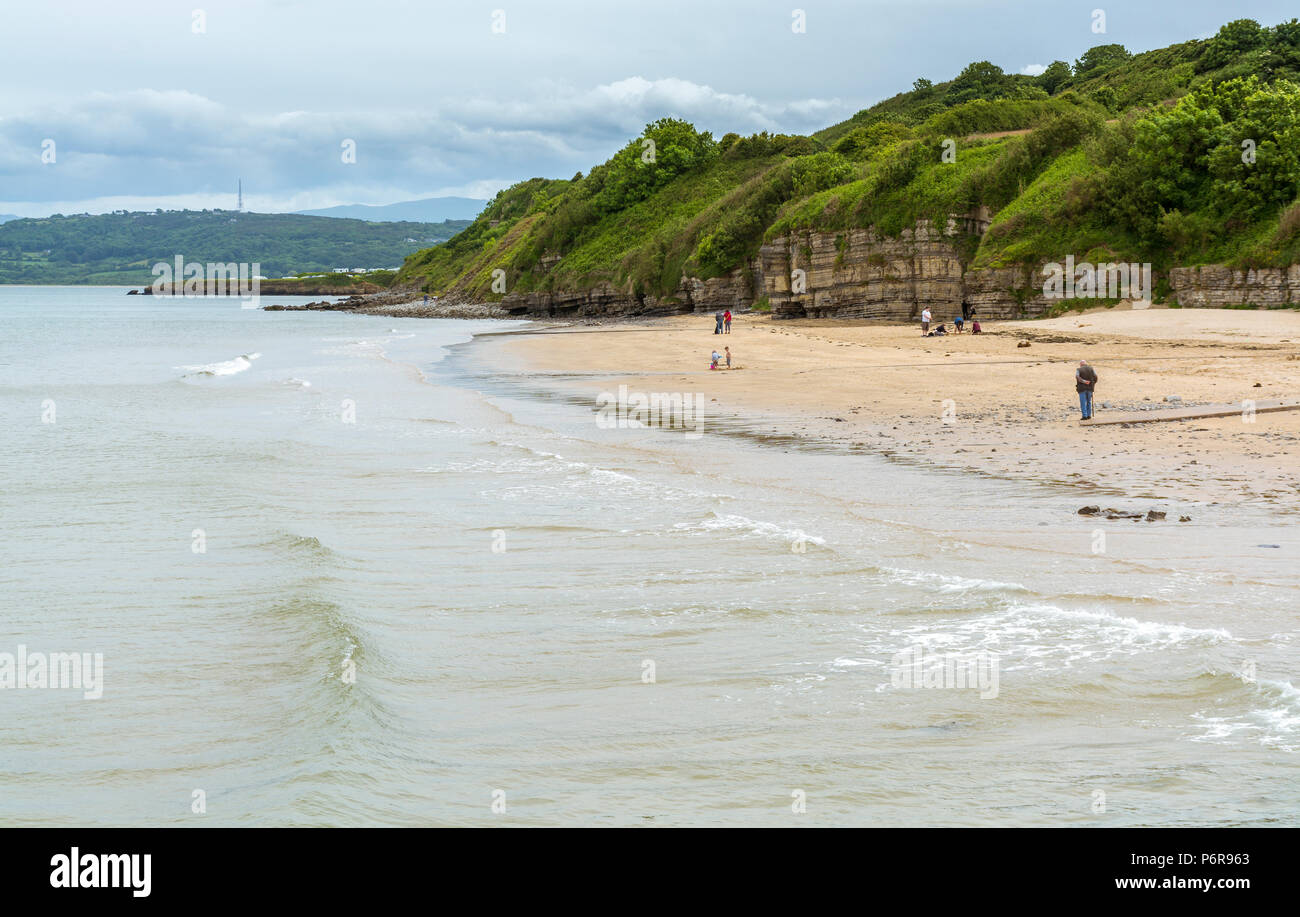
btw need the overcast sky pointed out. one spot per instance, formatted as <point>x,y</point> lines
<point>146,109</point>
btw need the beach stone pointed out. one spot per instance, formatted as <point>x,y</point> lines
<point>1154,515</point>
<point>1089,510</point>
<point>1184,518</point>
<point>1173,399</point>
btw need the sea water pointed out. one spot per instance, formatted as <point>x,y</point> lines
<point>346,570</point>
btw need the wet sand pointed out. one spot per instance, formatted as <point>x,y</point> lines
<point>982,403</point>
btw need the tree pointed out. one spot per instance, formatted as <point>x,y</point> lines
<point>980,80</point>
<point>1233,40</point>
<point>1099,59</point>
<point>1054,77</point>
<point>922,85</point>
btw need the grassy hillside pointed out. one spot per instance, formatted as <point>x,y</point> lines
<point>1184,155</point>
<point>122,247</point>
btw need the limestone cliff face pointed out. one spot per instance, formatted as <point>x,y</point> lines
<point>859,274</point>
<point>853,274</point>
<point>1216,286</point>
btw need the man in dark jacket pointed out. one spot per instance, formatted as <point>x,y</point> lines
<point>1085,381</point>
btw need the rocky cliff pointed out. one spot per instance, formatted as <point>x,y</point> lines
<point>1215,286</point>
<point>859,274</point>
<point>854,274</point>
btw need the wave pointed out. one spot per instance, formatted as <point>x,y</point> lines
<point>946,583</point>
<point>731,522</point>
<point>1272,720</point>
<point>224,368</point>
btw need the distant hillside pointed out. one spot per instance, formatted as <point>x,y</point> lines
<point>1181,156</point>
<point>425,210</point>
<point>6,217</point>
<point>122,247</point>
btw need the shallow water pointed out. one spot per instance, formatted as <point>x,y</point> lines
<point>597,626</point>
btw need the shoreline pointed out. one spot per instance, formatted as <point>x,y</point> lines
<point>977,404</point>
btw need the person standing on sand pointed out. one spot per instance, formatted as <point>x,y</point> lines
<point>925,320</point>
<point>726,318</point>
<point>1085,382</point>
<point>728,350</point>
<point>717,323</point>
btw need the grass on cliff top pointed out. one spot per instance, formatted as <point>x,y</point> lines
<point>649,243</point>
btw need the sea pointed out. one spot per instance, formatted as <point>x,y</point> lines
<point>326,569</point>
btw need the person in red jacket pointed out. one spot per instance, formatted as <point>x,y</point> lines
<point>726,319</point>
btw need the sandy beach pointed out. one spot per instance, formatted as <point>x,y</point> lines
<point>983,403</point>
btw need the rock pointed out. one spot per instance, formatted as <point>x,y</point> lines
<point>1184,518</point>
<point>1089,510</point>
<point>1258,385</point>
<point>1155,515</point>
<point>1022,344</point>
<point>1173,399</point>
<point>133,293</point>
<point>1107,405</point>
<point>1216,286</point>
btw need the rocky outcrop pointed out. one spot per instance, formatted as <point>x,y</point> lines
<point>1216,286</point>
<point>859,274</point>
<point>853,274</point>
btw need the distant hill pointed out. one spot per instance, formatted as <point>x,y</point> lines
<point>426,210</point>
<point>121,247</point>
<point>6,217</point>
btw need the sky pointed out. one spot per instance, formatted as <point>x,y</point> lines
<point>141,104</point>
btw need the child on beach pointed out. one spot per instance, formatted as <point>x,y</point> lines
<point>957,323</point>
<point>728,350</point>
<point>716,357</point>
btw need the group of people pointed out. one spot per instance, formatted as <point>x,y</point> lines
<point>1085,377</point>
<point>958,323</point>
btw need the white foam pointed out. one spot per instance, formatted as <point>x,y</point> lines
<point>1274,724</point>
<point>224,368</point>
<point>947,583</point>
<point>731,522</point>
